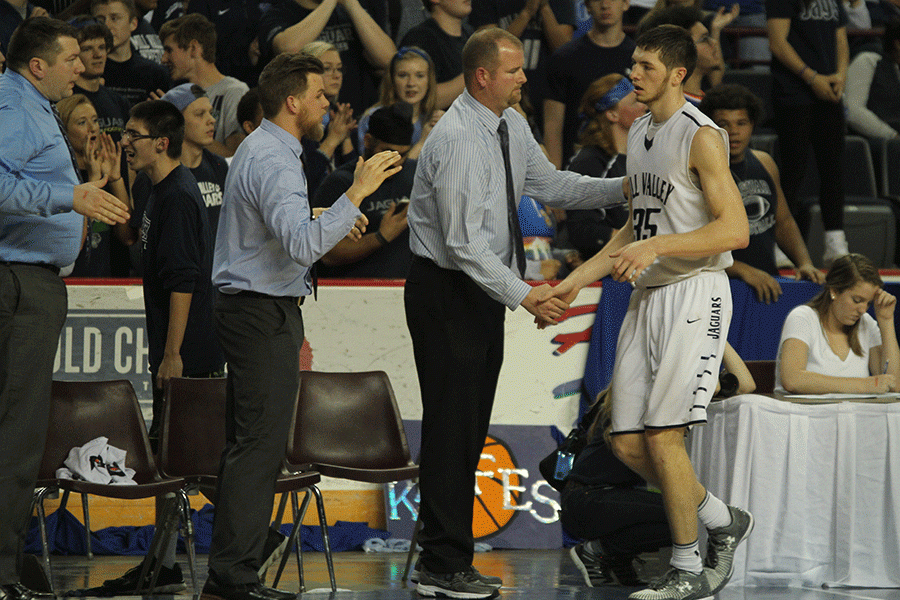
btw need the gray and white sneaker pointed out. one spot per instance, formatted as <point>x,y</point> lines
<point>721,546</point>
<point>677,585</point>
<point>463,584</point>
<point>490,580</point>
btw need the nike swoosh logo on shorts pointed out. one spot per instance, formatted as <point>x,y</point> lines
<point>692,321</point>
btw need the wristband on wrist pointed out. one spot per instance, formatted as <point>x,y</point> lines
<point>381,239</point>
<point>803,72</point>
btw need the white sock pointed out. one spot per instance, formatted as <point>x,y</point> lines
<point>168,557</point>
<point>687,557</point>
<point>713,513</point>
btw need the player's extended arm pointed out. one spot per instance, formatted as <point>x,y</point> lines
<point>598,266</point>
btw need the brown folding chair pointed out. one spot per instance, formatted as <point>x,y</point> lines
<point>348,425</point>
<point>82,411</point>
<point>763,372</point>
<point>192,439</point>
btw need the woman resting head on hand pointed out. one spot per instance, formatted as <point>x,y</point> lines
<point>832,345</point>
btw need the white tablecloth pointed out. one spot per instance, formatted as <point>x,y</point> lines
<point>822,482</point>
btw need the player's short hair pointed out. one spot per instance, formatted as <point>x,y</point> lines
<point>248,106</point>
<point>36,37</point>
<point>482,50</point>
<point>190,27</point>
<point>129,5</point>
<point>682,16</point>
<point>88,28</point>
<point>732,96</point>
<point>162,119</point>
<point>673,45</point>
<point>286,75</point>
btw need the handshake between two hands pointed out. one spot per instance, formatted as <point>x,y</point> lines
<point>548,303</point>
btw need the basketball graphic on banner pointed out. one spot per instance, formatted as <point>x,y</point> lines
<point>489,517</point>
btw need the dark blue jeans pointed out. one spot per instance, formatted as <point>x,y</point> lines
<point>624,520</point>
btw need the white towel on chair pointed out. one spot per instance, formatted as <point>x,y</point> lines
<point>97,462</point>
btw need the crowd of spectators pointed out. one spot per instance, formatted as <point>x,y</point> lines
<point>405,56</point>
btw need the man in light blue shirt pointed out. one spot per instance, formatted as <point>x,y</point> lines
<point>266,245</point>
<point>40,194</point>
<point>466,271</point>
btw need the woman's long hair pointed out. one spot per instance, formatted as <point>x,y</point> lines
<point>846,272</point>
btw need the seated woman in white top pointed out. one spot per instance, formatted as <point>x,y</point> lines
<point>832,345</point>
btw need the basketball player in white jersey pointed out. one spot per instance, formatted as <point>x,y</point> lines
<point>686,217</point>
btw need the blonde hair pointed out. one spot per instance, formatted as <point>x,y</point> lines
<point>388,94</point>
<point>602,424</point>
<point>67,106</point>
<point>597,128</point>
<point>318,48</point>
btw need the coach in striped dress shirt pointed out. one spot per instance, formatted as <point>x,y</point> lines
<point>460,283</point>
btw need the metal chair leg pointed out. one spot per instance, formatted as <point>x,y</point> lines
<point>323,523</point>
<point>38,500</point>
<point>412,547</point>
<point>189,537</point>
<point>166,526</point>
<point>294,542</point>
<point>87,525</point>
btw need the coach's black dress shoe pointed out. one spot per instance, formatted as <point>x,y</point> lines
<point>17,591</point>
<point>247,591</point>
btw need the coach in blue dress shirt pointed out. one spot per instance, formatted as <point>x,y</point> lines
<point>40,232</point>
<point>463,277</point>
<point>265,246</point>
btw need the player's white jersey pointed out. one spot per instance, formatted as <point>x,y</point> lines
<point>666,195</point>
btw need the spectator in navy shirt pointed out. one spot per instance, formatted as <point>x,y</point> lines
<point>348,25</point>
<point>127,72</point>
<point>383,252</point>
<point>602,50</point>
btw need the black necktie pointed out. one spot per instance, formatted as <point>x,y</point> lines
<point>313,275</point>
<point>512,207</point>
<point>62,131</point>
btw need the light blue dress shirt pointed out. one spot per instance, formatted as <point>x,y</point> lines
<point>266,241</point>
<point>458,207</point>
<point>37,180</point>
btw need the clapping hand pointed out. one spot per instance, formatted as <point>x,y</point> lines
<point>370,174</point>
<point>110,157</point>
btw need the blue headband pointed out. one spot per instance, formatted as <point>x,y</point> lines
<point>613,96</point>
<point>407,49</point>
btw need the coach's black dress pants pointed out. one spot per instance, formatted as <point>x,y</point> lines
<point>33,305</point>
<point>261,338</point>
<point>457,336</point>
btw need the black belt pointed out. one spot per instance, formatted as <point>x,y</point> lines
<point>251,294</point>
<point>52,268</point>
